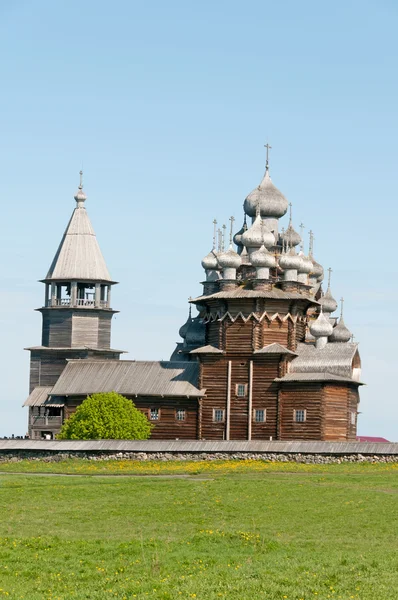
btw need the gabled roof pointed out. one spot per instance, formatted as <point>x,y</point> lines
<point>333,358</point>
<point>141,378</point>
<point>275,348</point>
<point>79,256</point>
<point>207,350</point>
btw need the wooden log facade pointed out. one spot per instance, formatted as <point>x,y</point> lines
<point>263,359</point>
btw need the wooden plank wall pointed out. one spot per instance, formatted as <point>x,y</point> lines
<point>335,412</point>
<point>239,405</point>
<point>167,428</point>
<point>213,334</point>
<point>213,377</point>
<point>85,330</point>
<point>104,329</point>
<point>275,332</point>
<point>239,336</point>
<point>265,396</point>
<point>353,401</point>
<point>301,396</point>
<point>57,328</point>
<point>45,370</point>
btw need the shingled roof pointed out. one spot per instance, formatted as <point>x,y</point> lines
<point>79,256</point>
<point>134,378</point>
<point>334,358</point>
<point>40,397</point>
<point>245,292</point>
<point>275,348</point>
<point>297,377</point>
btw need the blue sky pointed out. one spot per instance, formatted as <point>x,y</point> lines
<point>168,105</point>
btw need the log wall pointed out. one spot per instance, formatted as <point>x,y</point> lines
<point>335,412</point>
<point>306,397</point>
<point>167,427</point>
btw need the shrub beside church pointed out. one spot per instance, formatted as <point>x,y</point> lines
<point>106,416</point>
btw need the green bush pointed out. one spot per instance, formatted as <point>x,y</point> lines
<point>107,416</point>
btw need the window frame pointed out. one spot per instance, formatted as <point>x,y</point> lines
<point>222,420</point>
<point>180,410</point>
<point>257,410</point>
<point>150,414</point>
<point>300,410</point>
<point>353,419</point>
<point>237,387</point>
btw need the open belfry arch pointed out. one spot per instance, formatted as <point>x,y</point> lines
<point>264,357</point>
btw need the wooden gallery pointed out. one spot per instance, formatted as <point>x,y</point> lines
<point>263,359</point>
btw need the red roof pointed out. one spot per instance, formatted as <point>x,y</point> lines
<point>367,438</point>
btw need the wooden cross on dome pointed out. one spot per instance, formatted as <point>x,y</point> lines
<point>268,147</point>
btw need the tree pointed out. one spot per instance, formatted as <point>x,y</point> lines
<point>107,416</point>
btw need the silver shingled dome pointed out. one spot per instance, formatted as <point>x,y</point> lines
<point>229,259</point>
<point>340,333</point>
<point>321,327</point>
<point>271,201</point>
<point>257,235</point>
<point>290,261</point>
<point>262,258</point>
<point>209,262</point>
<point>327,302</point>
<point>306,263</point>
<point>291,237</point>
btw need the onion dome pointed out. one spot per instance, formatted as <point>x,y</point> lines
<point>317,269</point>
<point>340,333</point>
<point>271,201</point>
<point>229,259</point>
<point>306,263</point>
<point>196,332</point>
<point>209,262</point>
<point>238,234</point>
<point>257,235</point>
<point>80,196</point>
<point>290,261</point>
<point>263,258</point>
<point>327,301</point>
<point>184,328</point>
<point>290,236</point>
<point>321,327</point>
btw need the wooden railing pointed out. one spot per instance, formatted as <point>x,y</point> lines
<point>80,302</point>
<point>46,421</point>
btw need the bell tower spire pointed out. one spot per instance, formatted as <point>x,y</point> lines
<point>77,310</point>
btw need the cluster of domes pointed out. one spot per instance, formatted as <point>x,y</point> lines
<point>274,255</point>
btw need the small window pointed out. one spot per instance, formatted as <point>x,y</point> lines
<point>300,416</point>
<point>154,414</point>
<point>353,418</point>
<point>180,414</point>
<point>218,415</point>
<point>259,415</point>
<point>241,390</point>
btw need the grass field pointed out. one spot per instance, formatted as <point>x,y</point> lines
<point>233,530</point>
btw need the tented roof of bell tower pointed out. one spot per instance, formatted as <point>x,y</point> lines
<point>79,257</point>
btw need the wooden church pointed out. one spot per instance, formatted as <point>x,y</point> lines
<point>263,359</point>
